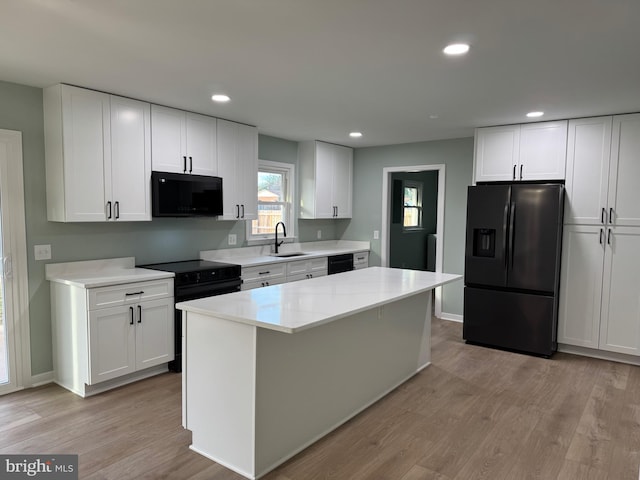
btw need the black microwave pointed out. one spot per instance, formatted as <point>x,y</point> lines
<point>184,195</point>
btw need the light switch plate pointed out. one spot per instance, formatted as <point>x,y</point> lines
<point>233,239</point>
<point>42,252</point>
<point>319,234</point>
<point>376,234</point>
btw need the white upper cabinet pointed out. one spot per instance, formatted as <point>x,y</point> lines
<point>97,155</point>
<point>533,151</point>
<point>603,166</point>
<point>587,182</point>
<point>326,180</point>
<point>238,166</point>
<point>624,173</point>
<point>183,142</point>
<point>128,180</point>
<point>497,150</point>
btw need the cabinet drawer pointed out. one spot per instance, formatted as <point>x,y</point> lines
<point>129,293</point>
<point>318,265</point>
<point>262,283</point>
<point>306,266</point>
<point>360,260</point>
<point>264,272</point>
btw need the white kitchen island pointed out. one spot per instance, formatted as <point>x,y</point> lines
<point>267,372</point>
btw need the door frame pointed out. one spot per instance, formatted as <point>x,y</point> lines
<point>386,209</point>
<point>14,236</point>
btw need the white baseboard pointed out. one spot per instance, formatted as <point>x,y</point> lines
<point>41,379</point>
<point>601,354</point>
<point>454,317</point>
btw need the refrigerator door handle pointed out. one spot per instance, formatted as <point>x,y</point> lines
<point>505,224</point>
<point>512,221</point>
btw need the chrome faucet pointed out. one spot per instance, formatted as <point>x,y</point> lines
<point>284,231</point>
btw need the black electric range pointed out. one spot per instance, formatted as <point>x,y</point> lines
<point>196,279</point>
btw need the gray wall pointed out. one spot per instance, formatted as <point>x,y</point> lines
<point>408,249</point>
<point>156,241</point>
<point>457,156</point>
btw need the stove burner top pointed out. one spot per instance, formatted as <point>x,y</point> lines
<point>188,266</point>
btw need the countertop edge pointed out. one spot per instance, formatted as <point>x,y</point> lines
<point>290,330</point>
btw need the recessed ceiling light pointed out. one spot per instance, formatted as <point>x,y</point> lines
<point>433,117</point>
<point>535,114</point>
<point>220,98</point>
<point>456,49</point>
<point>355,134</point>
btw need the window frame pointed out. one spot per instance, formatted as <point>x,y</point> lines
<point>420,207</point>
<point>289,172</point>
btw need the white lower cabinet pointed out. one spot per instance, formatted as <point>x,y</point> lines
<point>360,260</point>
<point>111,333</point>
<point>263,275</point>
<point>600,289</point>
<point>306,269</point>
<point>620,318</point>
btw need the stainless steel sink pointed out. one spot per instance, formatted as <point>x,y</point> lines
<point>291,254</point>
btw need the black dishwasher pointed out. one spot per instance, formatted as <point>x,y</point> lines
<point>340,263</point>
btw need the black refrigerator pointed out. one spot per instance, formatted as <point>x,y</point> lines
<point>512,266</point>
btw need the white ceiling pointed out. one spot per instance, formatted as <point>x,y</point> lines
<point>305,69</point>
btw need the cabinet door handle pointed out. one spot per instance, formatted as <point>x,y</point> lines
<point>603,216</point>
<point>184,164</point>
<point>109,210</point>
<point>190,164</point>
<point>514,172</point>
<point>131,311</point>
<point>117,209</point>
<point>139,314</point>
<point>521,171</point>
<point>237,211</point>
<point>609,237</point>
<point>611,215</point>
<point>134,293</point>
<point>242,211</point>
<point>601,234</point>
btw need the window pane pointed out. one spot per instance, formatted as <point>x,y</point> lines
<point>268,216</point>
<point>411,217</point>
<point>410,196</point>
<point>270,187</point>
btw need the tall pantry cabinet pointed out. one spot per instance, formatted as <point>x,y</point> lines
<point>600,285</point>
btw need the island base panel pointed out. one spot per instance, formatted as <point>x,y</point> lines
<point>256,397</point>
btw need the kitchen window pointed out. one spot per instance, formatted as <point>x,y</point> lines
<point>412,206</point>
<point>275,200</point>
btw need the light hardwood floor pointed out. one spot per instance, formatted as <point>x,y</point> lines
<point>474,413</point>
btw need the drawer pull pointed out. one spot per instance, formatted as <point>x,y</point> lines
<point>264,273</point>
<point>134,293</point>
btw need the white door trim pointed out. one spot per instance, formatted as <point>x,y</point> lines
<point>15,241</point>
<point>386,208</point>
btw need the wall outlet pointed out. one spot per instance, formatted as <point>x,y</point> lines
<point>42,252</point>
<point>233,239</point>
<point>376,234</point>
<point>319,234</point>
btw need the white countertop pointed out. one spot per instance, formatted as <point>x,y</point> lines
<point>261,255</point>
<point>296,306</point>
<point>101,273</point>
